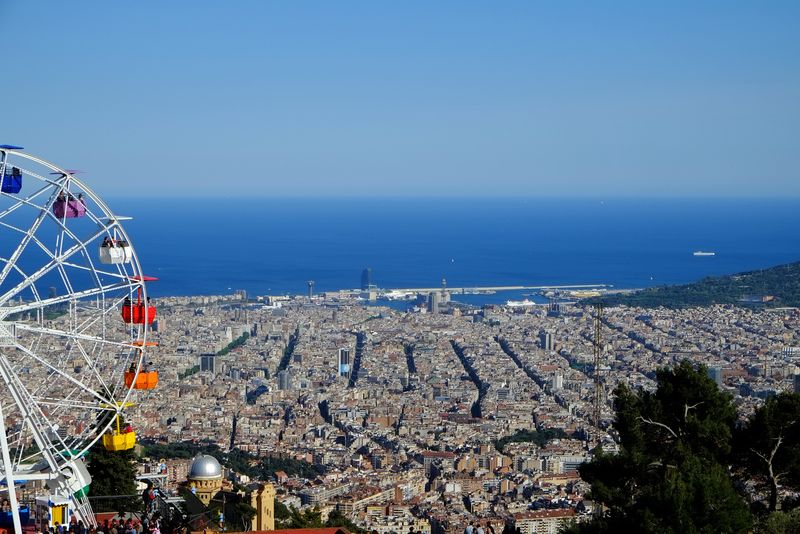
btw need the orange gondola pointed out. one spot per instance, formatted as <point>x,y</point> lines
<point>145,380</point>
<point>139,343</point>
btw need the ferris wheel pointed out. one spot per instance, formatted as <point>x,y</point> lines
<point>74,318</point>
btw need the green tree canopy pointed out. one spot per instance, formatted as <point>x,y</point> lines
<point>769,445</point>
<point>113,487</point>
<point>670,474</point>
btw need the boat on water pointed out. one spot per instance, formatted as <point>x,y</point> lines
<point>520,303</point>
<point>703,253</point>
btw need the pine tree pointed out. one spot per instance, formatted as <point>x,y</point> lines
<point>113,475</point>
<point>671,474</point>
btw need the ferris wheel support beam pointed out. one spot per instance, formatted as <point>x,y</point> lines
<point>8,467</point>
<point>71,335</point>
<point>38,437</point>
<point>25,240</point>
<point>55,262</point>
<point>7,310</point>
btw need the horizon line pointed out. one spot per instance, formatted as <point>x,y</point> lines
<point>458,197</point>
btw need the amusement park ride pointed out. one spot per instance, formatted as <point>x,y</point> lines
<point>74,316</point>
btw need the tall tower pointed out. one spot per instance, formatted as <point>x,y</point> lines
<point>366,279</point>
<point>434,298</point>
<point>285,380</point>
<point>311,289</point>
<point>598,354</point>
<point>344,362</point>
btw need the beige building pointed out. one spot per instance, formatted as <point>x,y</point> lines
<point>544,521</point>
<point>263,500</point>
<point>205,477</point>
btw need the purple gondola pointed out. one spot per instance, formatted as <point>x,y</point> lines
<point>69,208</point>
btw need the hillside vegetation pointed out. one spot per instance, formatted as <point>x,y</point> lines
<point>771,287</point>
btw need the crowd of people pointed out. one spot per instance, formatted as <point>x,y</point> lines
<point>147,525</point>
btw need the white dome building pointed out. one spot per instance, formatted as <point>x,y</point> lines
<point>205,477</point>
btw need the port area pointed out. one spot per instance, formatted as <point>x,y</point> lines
<point>569,291</point>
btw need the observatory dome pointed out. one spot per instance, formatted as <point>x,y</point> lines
<point>205,467</point>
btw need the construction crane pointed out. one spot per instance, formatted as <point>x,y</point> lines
<point>598,354</point>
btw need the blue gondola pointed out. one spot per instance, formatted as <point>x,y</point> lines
<point>12,180</point>
<point>7,520</point>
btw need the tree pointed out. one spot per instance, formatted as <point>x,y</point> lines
<point>670,474</point>
<point>780,523</point>
<point>338,519</point>
<point>113,475</point>
<point>769,445</point>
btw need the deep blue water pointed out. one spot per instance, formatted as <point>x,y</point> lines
<point>275,245</point>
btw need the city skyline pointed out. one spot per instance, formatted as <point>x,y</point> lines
<point>415,100</point>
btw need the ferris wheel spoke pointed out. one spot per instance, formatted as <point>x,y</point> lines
<point>95,291</point>
<point>20,272</point>
<point>61,403</point>
<point>71,335</point>
<point>26,238</point>
<point>63,375</point>
<point>119,274</point>
<point>55,262</point>
<point>36,240</point>
<point>31,412</point>
<point>90,363</point>
<point>26,201</point>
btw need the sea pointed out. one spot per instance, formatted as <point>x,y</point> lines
<point>273,246</point>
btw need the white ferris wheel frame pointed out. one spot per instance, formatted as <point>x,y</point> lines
<point>56,459</point>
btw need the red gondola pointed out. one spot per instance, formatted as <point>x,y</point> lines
<point>138,312</point>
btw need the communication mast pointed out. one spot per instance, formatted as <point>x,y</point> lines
<point>598,353</point>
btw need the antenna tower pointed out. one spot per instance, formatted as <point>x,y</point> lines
<point>598,353</point>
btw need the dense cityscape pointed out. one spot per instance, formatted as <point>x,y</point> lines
<point>400,267</point>
<point>403,412</point>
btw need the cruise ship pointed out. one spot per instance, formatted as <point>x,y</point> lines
<point>702,253</point>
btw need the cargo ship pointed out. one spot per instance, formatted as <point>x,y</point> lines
<point>702,253</point>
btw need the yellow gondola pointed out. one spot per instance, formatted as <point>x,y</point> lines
<point>118,440</point>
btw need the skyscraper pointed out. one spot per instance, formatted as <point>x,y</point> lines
<point>715,373</point>
<point>344,362</point>
<point>434,298</point>
<point>546,341</point>
<point>284,380</point>
<point>366,279</point>
<point>208,363</point>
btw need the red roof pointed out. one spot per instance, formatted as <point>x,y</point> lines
<point>438,454</point>
<point>332,530</point>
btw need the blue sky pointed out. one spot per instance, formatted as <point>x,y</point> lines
<point>408,98</point>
